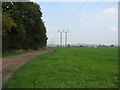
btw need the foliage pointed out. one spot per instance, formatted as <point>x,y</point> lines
<point>23,27</point>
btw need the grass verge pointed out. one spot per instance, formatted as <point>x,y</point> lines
<point>14,52</point>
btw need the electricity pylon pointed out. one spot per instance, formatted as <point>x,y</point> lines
<point>60,37</point>
<point>66,32</point>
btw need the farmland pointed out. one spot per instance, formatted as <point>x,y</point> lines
<point>69,68</point>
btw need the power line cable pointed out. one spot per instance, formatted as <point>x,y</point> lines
<point>87,12</point>
<point>92,7</point>
<point>98,12</point>
<point>70,18</point>
<point>94,15</point>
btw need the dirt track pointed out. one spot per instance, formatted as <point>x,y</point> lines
<point>12,63</point>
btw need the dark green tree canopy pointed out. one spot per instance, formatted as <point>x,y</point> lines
<point>22,27</point>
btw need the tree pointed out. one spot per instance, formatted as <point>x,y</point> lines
<point>23,27</point>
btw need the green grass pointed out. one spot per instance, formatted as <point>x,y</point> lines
<point>13,52</point>
<point>69,68</point>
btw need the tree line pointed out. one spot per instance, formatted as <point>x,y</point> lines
<point>22,26</point>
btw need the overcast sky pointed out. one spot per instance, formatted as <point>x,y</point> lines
<point>87,22</point>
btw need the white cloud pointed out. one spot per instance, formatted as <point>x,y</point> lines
<point>109,13</point>
<point>113,29</point>
<point>32,0</point>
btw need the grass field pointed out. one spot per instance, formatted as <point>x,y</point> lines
<point>69,68</point>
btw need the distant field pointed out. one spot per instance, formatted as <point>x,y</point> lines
<point>69,68</point>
